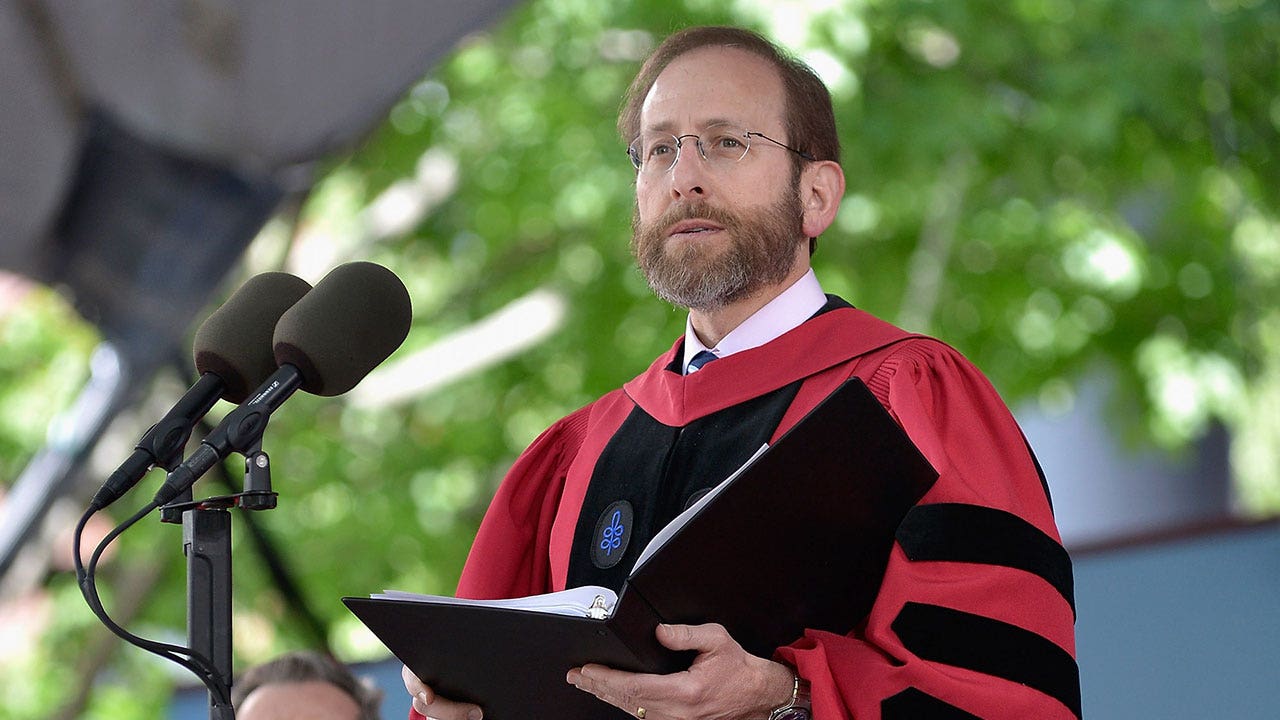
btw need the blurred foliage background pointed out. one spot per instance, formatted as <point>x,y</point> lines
<point>1062,190</point>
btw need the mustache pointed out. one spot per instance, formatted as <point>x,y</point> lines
<point>694,211</point>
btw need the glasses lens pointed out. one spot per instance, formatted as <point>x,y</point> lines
<point>724,145</point>
<point>654,152</point>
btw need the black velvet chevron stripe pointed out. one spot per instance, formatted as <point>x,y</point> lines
<point>955,532</point>
<point>913,704</point>
<point>991,647</point>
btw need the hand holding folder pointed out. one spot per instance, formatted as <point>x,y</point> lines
<point>798,538</point>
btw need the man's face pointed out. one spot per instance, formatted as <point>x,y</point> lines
<point>707,236</point>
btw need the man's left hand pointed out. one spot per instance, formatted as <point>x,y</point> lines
<point>724,682</point>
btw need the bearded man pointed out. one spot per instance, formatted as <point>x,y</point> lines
<point>737,162</point>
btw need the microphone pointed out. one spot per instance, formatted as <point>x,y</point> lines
<point>353,319</point>
<point>232,354</point>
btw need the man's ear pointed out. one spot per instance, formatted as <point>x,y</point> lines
<point>821,189</point>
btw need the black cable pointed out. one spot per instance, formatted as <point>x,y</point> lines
<point>198,664</point>
<point>195,662</point>
<point>88,585</point>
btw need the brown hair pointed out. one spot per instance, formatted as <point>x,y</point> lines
<point>808,115</point>
<point>308,666</point>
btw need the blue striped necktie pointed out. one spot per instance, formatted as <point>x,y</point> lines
<point>702,358</point>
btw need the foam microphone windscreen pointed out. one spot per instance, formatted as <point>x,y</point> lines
<point>356,316</point>
<point>234,343</point>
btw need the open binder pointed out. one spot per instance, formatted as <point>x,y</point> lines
<point>798,538</point>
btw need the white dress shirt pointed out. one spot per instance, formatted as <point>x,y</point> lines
<point>781,314</point>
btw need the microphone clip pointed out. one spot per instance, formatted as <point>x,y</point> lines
<point>257,494</point>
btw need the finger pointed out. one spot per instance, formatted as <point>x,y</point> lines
<point>702,638</point>
<point>624,690</point>
<point>412,684</point>
<point>426,702</point>
<point>442,709</point>
<point>418,690</point>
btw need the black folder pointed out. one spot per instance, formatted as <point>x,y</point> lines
<point>799,538</point>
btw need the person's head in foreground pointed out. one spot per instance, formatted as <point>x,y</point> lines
<point>304,685</point>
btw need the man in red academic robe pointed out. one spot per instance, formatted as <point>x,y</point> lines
<point>737,175</point>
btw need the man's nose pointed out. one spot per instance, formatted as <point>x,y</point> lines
<point>689,174</point>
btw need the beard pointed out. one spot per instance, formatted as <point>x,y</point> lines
<point>761,251</point>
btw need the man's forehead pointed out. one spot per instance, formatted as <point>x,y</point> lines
<point>714,85</point>
<point>699,125</point>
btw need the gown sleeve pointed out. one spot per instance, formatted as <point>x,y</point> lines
<point>975,617</point>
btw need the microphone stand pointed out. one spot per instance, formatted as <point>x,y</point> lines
<point>206,542</point>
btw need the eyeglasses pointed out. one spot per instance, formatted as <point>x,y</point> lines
<point>654,153</point>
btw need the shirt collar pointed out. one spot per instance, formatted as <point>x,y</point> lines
<point>781,314</point>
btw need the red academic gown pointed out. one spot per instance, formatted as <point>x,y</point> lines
<point>975,616</point>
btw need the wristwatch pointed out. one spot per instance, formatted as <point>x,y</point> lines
<point>798,707</point>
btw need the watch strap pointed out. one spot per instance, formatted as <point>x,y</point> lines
<point>799,707</point>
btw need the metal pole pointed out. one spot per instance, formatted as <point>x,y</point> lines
<point>206,536</point>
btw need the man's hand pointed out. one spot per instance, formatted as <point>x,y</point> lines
<point>724,682</point>
<point>430,705</point>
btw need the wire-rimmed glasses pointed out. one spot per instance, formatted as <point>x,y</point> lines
<point>654,153</point>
